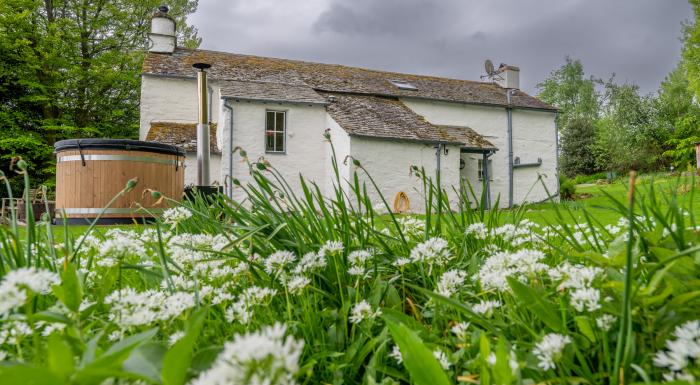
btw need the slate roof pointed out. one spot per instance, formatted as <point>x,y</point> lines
<point>333,78</point>
<point>183,135</point>
<point>269,91</point>
<point>387,118</point>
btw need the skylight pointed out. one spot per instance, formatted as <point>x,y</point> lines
<point>403,85</point>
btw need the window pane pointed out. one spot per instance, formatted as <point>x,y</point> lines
<point>280,142</point>
<point>269,141</point>
<point>270,121</point>
<point>280,122</point>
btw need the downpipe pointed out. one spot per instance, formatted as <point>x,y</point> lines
<point>509,112</point>
<point>229,151</point>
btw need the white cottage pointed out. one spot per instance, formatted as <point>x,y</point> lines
<point>279,110</point>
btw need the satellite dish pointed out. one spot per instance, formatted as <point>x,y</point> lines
<point>488,66</point>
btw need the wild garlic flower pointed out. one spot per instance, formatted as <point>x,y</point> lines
<point>262,357</point>
<point>176,215</point>
<point>279,262</point>
<point>411,226</point>
<point>586,299</point>
<point>310,262</point>
<point>176,336</point>
<point>190,249</point>
<point>131,308</point>
<point>242,309</point>
<point>460,330</point>
<point>359,260</point>
<point>331,247</point>
<point>605,322</point>
<point>14,286</point>
<point>450,282</point>
<point>396,354</point>
<point>297,283</point>
<point>579,280</point>
<point>362,311</point>
<point>12,332</point>
<point>519,264</point>
<point>478,230</point>
<point>485,308</point>
<point>680,352</point>
<point>549,350</point>
<point>442,359</point>
<point>401,262</point>
<point>434,251</point>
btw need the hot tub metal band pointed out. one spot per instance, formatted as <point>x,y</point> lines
<point>92,210</point>
<point>143,159</point>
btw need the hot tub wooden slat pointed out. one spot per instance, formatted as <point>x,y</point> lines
<point>93,185</point>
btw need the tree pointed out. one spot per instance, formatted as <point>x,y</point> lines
<point>71,68</point>
<point>691,50</point>
<point>628,137</point>
<point>577,148</point>
<point>572,92</point>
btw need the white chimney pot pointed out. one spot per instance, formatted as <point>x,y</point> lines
<point>509,76</point>
<point>162,36</point>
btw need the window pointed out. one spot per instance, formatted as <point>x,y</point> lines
<point>403,85</point>
<point>275,131</point>
<point>480,169</point>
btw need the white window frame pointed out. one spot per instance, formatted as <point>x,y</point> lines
<point>480,169</point>
<point>275,131</point>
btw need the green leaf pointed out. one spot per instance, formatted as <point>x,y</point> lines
<point>146,361</point>
<point>70,291</point>
<point>484,353</point>
<point>502,373</point>
<point>28,375</point>
<point>60,356</point>
<point>109,364</point>
<point>584,326</point>
<point>178,359</point>
<point>418,359</point>
<point>544,310</point>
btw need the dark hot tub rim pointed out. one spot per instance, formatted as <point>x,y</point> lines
<point>117,144</point>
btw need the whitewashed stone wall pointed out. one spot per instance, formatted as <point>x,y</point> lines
<point>533,136</point>
<point>341,145</point>
<point>305,147</point>
<point>214,169</point>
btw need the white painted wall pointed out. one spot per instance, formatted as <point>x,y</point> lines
<point>172,100</point>
<point>533,137</point>
<point>389,163</point>
<point>341,146</point>
<point>191,169</point>
<point>305,149</point>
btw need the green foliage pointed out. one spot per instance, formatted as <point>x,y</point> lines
<point>567,188</point>
<point>578,141</point>
<point>691,50</point>
<point>72,69</point>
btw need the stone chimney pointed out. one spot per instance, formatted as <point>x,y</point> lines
<point>162,36</point>
<point>508,76</point>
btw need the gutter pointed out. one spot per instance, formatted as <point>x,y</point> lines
<point>509,112</point>
<point>229,151</point>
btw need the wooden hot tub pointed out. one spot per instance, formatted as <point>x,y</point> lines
<point>90,172</point>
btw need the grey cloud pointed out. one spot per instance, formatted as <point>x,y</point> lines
<point>637,39</point>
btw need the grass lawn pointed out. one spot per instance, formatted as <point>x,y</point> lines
<point>593,199</point>
<point>599,205</point>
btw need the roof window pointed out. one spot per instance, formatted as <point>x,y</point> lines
<point>403,85</point>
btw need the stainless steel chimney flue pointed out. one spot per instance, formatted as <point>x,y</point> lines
<point>203,149</point>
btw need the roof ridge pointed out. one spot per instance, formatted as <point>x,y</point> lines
<point>340,65</point>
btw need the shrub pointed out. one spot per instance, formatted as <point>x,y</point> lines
<point>567,188</point>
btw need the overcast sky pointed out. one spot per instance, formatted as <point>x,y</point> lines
<point>639,40</point>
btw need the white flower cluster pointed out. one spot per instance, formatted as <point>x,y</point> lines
<point>310,262</point>
<point>362,311</point>
<point>516,235</point>
<point>412,226</point>
<point>450,282</point>
<point>131,308</point>
<point>359,263</point>
<point>195,249</point>
<point>434,251</point>
<point>460,330</point>
<point>242,309</point>
<point>520,264</point>
<point>578,279</point>
<point>279,262</point>
<point>265,357</point>
<point>13,289</point>
<point>176,215</point>
<point>549,350</point>
<point>331,247</point>
<point>681,352</point>
<point>485,308</point>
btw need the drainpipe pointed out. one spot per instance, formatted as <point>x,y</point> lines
<point>487,177</point>
<point>556,143</point>
<point>437,159</point>
<point>229,150</point>
<point>203,150</point>
<point>509,112</point>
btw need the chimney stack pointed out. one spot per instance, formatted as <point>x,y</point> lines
<point>203,150</point>
<point>509,76</point>
<point>162,36</point>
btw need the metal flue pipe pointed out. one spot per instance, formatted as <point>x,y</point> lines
<point>203,150</point>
